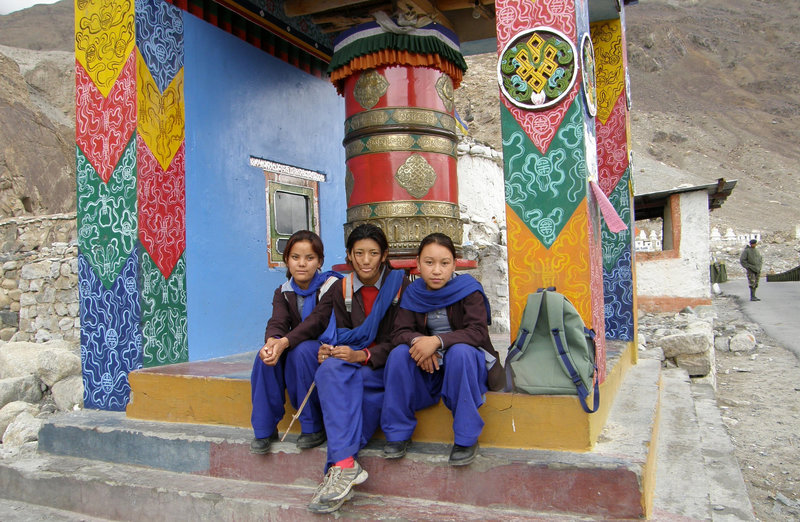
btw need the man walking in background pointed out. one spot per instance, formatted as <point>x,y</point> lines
<point>751,261</point>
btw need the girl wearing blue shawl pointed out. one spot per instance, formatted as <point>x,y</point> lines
<point>443,351</point>
<point>354,322</point>
<point>276,369</point>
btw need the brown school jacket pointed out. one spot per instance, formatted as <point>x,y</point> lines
<point>285,314</point>
<point>333,299</point>
<point>468,321</point>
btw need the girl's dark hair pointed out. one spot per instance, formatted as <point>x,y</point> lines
<point>367,231</point>
<point>304,235</point>
<point>439,239</point>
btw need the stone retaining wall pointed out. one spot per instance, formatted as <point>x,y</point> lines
<point>39,288</point>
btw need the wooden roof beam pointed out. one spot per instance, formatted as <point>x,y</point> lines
<point>310,7</point>
<point>425,8</point>
<point>452,5</point>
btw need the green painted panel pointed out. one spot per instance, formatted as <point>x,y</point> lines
<point>614,245</point>
<point>545,189</point>
<point>107,218</point>
<point>164,324</point>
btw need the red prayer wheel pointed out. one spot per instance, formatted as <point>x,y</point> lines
<point>400,146</point>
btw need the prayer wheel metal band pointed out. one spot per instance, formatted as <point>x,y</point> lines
<point>401,118</point>
<point>407,222</point>
<point>387,142</point>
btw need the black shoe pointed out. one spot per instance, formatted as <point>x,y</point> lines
<point>395,449</point>
<point>463,455</point>
<point>754,298</point>
<point>261,446</point>
<point>311,440</point>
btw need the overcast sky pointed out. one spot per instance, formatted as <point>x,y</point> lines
<point>9,6</point>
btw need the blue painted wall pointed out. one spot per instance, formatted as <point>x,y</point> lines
<point>240,102</point>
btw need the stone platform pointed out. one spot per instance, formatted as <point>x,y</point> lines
<point>613,480</point>
<point>218,392</point>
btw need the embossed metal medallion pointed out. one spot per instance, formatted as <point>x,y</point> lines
<point>589,75</point>
<point>444,86</point>
<point>369,88</point>
<point>416,175</point>
<point>537,68</point>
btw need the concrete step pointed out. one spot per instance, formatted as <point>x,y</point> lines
<point>681,479</point>
<point>13,511</point>
<point>69,487</point>
<point>727,492</point>
<point>614,480</point>
<point>698,477</point>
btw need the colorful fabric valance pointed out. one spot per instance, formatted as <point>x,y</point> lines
<point>378,44</point>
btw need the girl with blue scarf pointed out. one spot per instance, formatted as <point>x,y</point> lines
<point>277,369</point>
<point>354,322</point>
<point>443,351</point>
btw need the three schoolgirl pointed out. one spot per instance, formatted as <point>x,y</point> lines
<point>384,349</point>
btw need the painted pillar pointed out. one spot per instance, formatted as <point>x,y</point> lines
<point>614,170</point>
<point>400,140</point>
<point>549,155</point>
<point>130,197</point>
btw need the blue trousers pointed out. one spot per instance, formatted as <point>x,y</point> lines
<point>351,396</point>
<point>461,382</point>
<point>268,385</point>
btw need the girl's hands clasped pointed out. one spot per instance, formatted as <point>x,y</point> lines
<point>423,351</point>
<point>345,353</point>
<point>271,352</point>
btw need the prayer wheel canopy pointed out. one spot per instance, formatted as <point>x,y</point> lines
<point>400,132</point>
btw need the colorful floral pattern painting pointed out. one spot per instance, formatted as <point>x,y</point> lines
<point>130,191</point>
<point>615,177</point>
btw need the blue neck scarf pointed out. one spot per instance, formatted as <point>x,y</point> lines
<point>318,280</point>
<point>362,336</point>
<point>418,298</point>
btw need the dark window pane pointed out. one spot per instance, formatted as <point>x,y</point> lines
<point>291,212</point>
<point>280,245</point>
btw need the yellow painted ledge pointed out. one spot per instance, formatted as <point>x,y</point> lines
<point>553,422</point>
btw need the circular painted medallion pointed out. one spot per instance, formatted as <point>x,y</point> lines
<point>589,75</point>
<point>537,68</point>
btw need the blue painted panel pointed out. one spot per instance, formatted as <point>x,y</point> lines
<point>111,342</point>
<point>618,296</point>
<point>159,37</point>
<point>242,102</point>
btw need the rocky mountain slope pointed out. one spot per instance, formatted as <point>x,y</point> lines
<point>715,88</point>
<point>716,93</point>
<point>37,113</point>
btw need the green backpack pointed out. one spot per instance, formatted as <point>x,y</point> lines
<point>554,352</point>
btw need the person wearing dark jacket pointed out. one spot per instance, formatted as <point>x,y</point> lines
<point>443,351</point>
<point>751,261</point>
<point>356,340</point>
<point>276,369</point>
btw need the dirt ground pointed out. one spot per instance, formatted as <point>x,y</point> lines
<point>759,397</point>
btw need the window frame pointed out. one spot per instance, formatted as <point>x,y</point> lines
<point>279,177</point>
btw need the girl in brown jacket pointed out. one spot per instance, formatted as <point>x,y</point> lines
<point>443,351</point>
<point>277,369</point>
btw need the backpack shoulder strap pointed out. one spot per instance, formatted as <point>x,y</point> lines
<point>530,317</point>
<point>327,285</point>
<point>555,317</point>
<point>347,292</point>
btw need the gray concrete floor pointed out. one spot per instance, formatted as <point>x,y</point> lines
<point>778,312</point>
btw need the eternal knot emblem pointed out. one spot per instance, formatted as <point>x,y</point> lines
<point>416,176</point>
